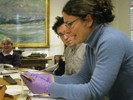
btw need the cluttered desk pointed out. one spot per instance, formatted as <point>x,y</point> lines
<point>17,90</point>
<point>37,62</point>
<point>34,60</point>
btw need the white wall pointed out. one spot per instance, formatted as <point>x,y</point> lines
<point>56,45</point>
<point>122,16</point>
<point>122,22</point>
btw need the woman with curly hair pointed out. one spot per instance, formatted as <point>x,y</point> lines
<point>108,63</point>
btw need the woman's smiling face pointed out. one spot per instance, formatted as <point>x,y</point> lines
<point>77,27</point>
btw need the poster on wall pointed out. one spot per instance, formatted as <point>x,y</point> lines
<point>26,22</point>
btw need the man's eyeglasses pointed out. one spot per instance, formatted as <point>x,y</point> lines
<point>62,34</point>
<point>69,25</point>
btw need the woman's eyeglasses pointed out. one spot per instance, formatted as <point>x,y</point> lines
<point>69,25</point>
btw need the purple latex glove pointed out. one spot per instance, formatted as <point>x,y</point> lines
<point>48,77</point>
<point>38,86</point>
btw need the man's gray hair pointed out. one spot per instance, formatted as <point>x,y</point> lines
<point>6,40</point>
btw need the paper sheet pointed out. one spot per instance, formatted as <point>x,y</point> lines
<point>13,75</point>
<point>15,89</point>
<point>9,71</point>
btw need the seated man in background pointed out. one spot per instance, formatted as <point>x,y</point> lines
<point>74,54</point>
<point>7,56</point>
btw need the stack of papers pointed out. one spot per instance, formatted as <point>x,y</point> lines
<point>15,89</point>
<point>9,71</point>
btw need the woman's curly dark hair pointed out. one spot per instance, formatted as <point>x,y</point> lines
<point>100,10</point>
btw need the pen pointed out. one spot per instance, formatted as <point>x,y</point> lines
<point>27,77</point>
